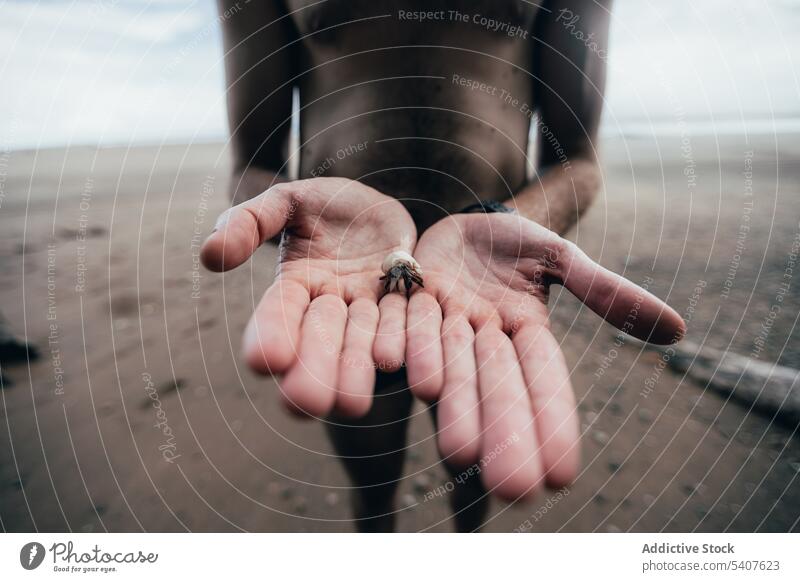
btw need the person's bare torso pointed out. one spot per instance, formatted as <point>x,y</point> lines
<point>390,96</point>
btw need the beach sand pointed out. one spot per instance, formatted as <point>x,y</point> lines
<point>98,250</point>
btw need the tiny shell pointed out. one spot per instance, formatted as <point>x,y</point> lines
<point>399,257</point>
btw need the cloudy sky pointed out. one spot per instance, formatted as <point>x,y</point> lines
<point>147,71</point>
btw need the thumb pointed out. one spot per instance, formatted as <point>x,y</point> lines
<point>241,229</point>
<point>620,302</point>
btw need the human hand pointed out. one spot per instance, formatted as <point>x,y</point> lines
<point>319,319</point>
<point>479,344</point>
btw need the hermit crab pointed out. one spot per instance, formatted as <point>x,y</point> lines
<point>400,266</point>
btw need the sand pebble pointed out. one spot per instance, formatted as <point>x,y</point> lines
<point>300,505</point>
<point>409,500</point>
<point>275,488</point>
<point>694,488</point>
<point>600,437</point>
<point>652,440</point>
<point>332,498</point>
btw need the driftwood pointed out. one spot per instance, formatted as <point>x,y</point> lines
<point>768,388</point>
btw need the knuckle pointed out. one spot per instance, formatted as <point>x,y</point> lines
<point>363,311</point>
<point>459,333</point>
<point>420,344</point>
<point>330,306</point>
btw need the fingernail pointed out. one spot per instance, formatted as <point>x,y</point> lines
<point>223,218</point>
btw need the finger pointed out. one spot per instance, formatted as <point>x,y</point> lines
<point>240,230</point>
<point>553,401</point>
<point>357,369</point>
<point>622,303</point>
<point>270,340</point>
<point>458,410</point>
<point>512,465</point>
<point>390,342</point>
<point>310,385</point>
<point>424,347</point>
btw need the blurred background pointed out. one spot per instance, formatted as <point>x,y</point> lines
<point>113,167</point>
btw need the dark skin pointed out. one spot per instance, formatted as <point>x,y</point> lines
<point>441,109</point>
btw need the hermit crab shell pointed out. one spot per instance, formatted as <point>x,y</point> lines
<point>396,258</point>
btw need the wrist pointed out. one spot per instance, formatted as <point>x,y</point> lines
<point>487,207</point>
<point>560,195</point>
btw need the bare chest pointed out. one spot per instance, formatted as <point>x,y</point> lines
<point>355,24</point>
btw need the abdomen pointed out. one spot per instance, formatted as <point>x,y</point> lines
<point>398,122</point>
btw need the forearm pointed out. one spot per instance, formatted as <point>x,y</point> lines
<point>560,195</point>
<point>250,182</point>
<point>261,64</point>
<point>569,82</point>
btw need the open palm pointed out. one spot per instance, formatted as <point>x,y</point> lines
<point>323,317</point>
<point>478,343</point>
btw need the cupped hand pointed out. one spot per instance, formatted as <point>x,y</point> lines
<point>479,344</point>
<point>322,324</point>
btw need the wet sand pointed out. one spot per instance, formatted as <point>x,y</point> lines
<point>140,416</point>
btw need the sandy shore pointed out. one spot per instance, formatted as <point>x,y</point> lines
<point>140,416</point>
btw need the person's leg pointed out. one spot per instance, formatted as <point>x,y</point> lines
<point>468,499</point>
<point>372,450</point>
